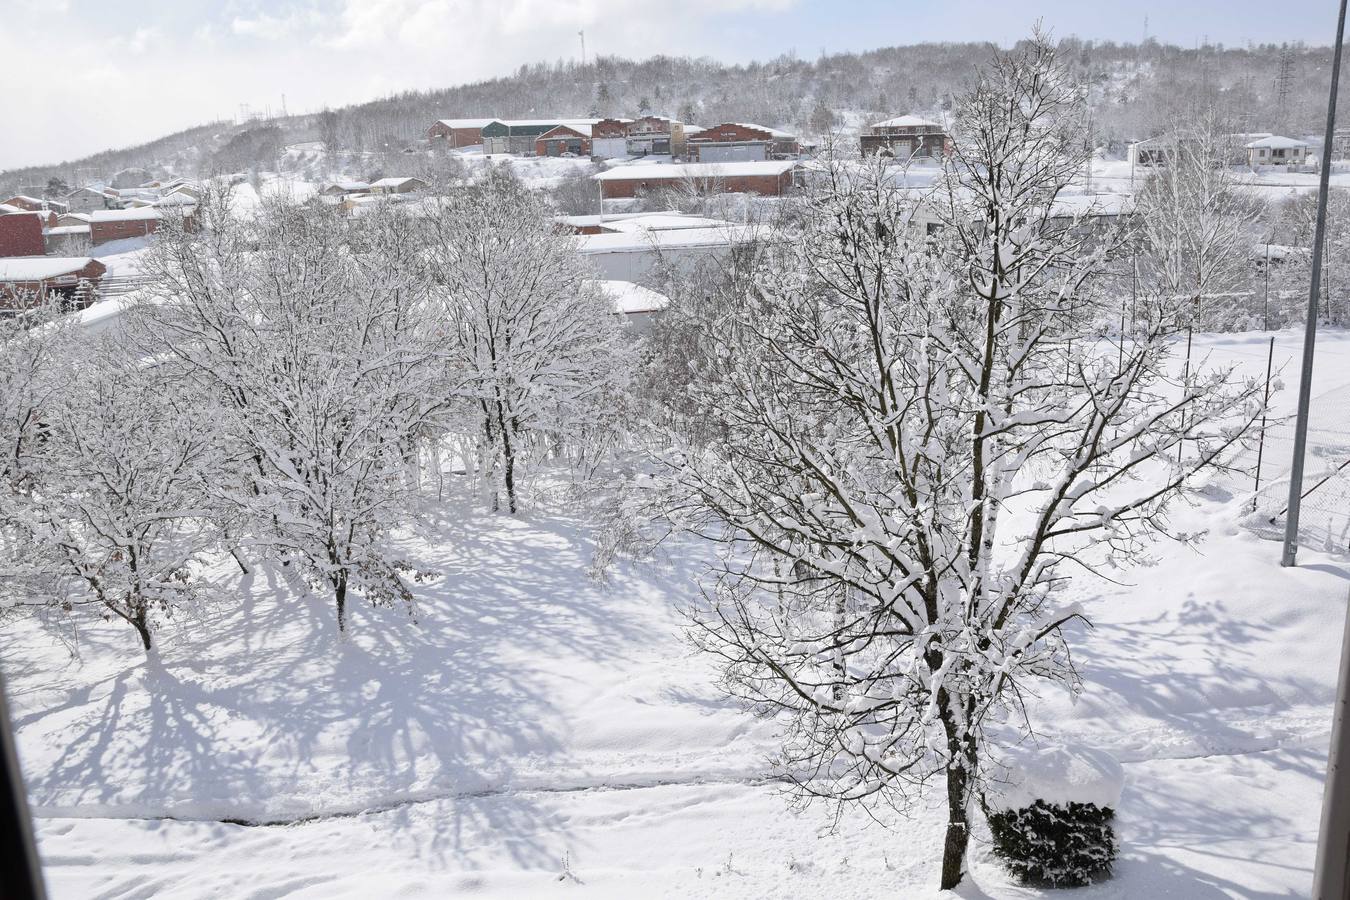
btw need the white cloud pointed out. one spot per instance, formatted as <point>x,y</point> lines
<point>142,39</point>
<point>205,69</point>
<point>297,22</point>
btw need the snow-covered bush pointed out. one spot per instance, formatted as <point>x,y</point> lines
<point>1062,846</point>
<point>1051,814</point>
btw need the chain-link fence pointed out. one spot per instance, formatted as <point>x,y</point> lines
<point>1324,517</point>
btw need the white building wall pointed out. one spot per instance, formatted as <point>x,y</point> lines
<point>609,148</point>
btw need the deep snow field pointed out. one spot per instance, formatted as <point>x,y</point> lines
<point>536,733</point>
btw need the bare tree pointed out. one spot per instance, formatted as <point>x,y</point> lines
<point>530,342</point>
<point>119,512</point>
<point>1198,227</point>
<point>907,443</point>
<point>309,337</point>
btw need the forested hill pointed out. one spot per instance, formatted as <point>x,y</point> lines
<point>1135,87</point>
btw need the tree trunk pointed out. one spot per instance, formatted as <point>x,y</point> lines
<point>143,629</point>
<point>958,827</point>
<point>340,594</point>
<point>508,459</point>
<point>960,771</point>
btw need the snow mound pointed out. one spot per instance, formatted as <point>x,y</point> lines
<point>1058,774</point>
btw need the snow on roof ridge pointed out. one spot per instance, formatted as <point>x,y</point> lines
<point>466,123</point>
<point>697,170</point>
<point>776,132</point>
<point>117,215</point>
<point>37,268</point>
<point>1278,141</point>
<point>906,121</point>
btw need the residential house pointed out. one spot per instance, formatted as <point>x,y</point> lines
<point>906,137</point>
<point>398,185</point>
<point>741,142</point>
<point>1277,150</point>
<point>85,199</point>
<point>342,188</point>
<point>116,224</point>
<point>28,280</point>
<point>25,202</point>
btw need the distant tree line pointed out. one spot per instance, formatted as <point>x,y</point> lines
<point>1134,89</point>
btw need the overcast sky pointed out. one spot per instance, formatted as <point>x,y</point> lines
<point>88,75</point>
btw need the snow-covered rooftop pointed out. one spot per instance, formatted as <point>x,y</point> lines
<point>907,122</point>
<point>672,221</point>
<point>68,229</point>
<point>645,240</point>
<point>395,182</point>
<point>696,170</point>
<point>124,215</point>
<point>1068,205</point>
<point>536,123</point>
<point>631,298</point>
<point>776,132</point>
<point>39,268</point>
<point>582,129</point>
<point>466,123</point>
<point>1278,142</point>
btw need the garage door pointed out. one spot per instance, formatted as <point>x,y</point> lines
<point>714,153</point>
<point>609,148</point>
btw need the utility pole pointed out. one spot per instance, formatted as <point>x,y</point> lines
<point>582,34</point>
<point>1331,872</point>
<point>1310,325</point>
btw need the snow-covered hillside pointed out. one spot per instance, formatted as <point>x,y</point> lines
<point>536,731</point>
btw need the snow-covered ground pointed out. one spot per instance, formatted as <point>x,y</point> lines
<point>535,731</point>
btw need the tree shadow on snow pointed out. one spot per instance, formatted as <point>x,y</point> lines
<point>263,713</point>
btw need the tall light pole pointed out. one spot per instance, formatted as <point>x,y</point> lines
<point>1310,326</point>
<point>1331,871</point>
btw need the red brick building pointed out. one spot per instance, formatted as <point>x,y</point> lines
<point>768,178</point>
<point>21,234</point>
<point>563,139</point>
<point>610,128</point>
<point>32,204</point>
<point>116,224</point>
<point>740,142</point>
<point>906,137</point>
<point>28,280</point>
<point>458,132</point>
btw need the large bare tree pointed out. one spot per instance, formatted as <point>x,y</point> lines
<point>908,443</point>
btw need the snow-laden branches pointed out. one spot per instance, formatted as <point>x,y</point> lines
<point>531,345</point>
<point>307,339</point>
<point>908,441</point>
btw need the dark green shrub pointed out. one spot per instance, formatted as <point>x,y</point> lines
<point>1047,844</point>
